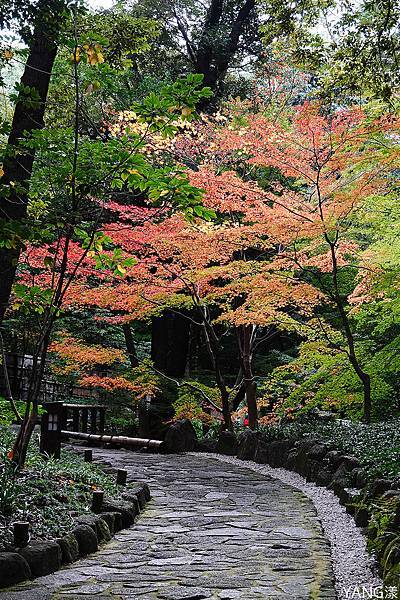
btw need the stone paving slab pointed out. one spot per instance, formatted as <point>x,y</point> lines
<point>212,530</point>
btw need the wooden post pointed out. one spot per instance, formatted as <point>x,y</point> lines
<point>121,476</point>
<point>75,418</point>
<point>51,427</point>
<point>102,419</point>
<point>21,533</point>
<point>97,501</point>
<point>88,456</point>
<point>93,419</point>
<point>84,419</point>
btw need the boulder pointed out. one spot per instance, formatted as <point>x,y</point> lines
<point>317,452</point>
<point>69,549</point>
<point>262,452</point>
<point>147,492</point>
<point>332,459</point>
<point>137,502</point>
<point>278,452</point>
<point>109,518</point>
<point>99,526</point>
<point>140,493</point>
<point>380,486</point>
<point>86,538</point>
<point>342,476</point>
<point>180,437</point>
<point>43,558</point>
<point>361,517</point>
<point>302,449</point>
<point>227,443</point>
<point>102,530</point>
<point>126,509</point>
<point>247,445</point>
<point>206,445</point>
<point>323,476</point>
<point>13,569</point>
<point>358,479</point>
<point>291,459</point>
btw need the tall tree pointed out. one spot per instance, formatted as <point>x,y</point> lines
<point>45,22</point>
<point>219,36</point>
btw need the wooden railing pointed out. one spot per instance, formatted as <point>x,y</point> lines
<point>82,422</point>
<point>84,418</point>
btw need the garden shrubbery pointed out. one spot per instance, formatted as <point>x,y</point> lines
<point>376,446</point>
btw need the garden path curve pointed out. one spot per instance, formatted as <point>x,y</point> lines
<point>212,530</point>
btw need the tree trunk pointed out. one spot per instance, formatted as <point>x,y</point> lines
<point>170,343</point>
<point>130,345</point>
<point>244,333</point>
<point>211,59</point>
<point>18,162</point>
<point>362,375</point>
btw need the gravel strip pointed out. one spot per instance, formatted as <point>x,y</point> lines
<point>353,566</point>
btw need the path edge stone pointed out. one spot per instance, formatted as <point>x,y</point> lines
<point>76,544</point>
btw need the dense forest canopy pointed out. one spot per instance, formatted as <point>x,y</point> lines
<point>198,209</point>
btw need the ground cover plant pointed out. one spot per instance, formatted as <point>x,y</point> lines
<point>49,494</point>
<point>376,446</point>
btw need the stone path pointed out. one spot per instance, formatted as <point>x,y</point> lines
<point>212,530</point>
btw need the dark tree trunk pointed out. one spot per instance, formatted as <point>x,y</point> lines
<point>18,163</point>
<point>169,343</point>
<point>244,333</point>
<point>210,59</point>
<point>130,345</point>
<point>353,358</point>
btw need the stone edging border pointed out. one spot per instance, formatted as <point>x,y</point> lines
<point>42,558</point>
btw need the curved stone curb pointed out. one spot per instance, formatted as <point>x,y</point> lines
<point>42,558</point>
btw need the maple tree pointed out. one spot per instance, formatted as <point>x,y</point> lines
<point>272,257</point>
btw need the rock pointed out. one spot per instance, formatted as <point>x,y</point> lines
<point>126,509</point>
<point>317,452</point>
<point>323,477</point>
<point>333,458</point>
<point>291,459</point>
<point>86,538</point>
<point>361,517</point>
<point>13,569</point>
<point>342,476</point>
<point>103,531</point>
<point>69,548</point>
<point>109,518</point>
<point>87,520</point>
<point>99,526</point>
<point>43,558</point>
<point>262,452</point>
<point>302,450</point>
<point>380,486</point>
<point>139,492</point>
<point>227,443</point>
<point>180,437</point>
<point>206,445</point>
<point>134,500</point>
<point>247,445</point>
<point>146,491</point>
<point>358,479</point>
<point>278,452</point>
